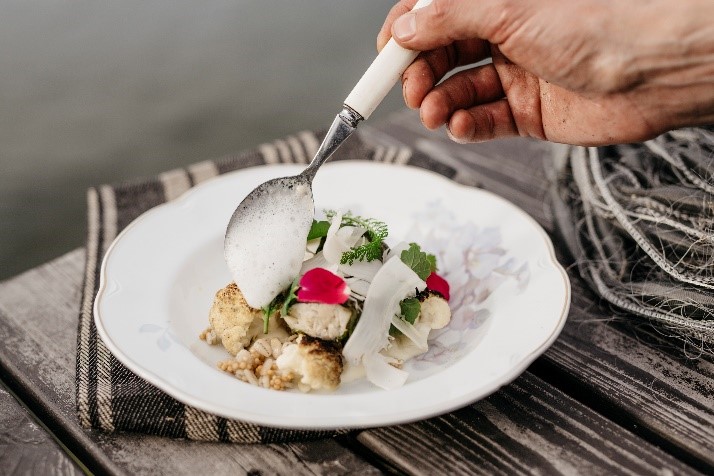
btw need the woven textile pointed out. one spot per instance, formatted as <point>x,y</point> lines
<point>639,221</point>
<point>112,398</point>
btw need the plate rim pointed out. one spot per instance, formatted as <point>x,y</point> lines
<point>300,423</point>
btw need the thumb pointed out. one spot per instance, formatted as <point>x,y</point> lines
<point>444,21</point>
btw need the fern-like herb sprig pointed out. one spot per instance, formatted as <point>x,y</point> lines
<point>376,232</point>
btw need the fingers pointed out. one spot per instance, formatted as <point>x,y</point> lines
<point>472,104</point>
<point>431,66</point>
<point>445,21</point>
<point>484,122</point>
<point>463,90</point>
<point>451,33</point>
<point>397,10</point>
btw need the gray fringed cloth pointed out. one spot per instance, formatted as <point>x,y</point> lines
<point>639,222</point>
<point>112,398</point>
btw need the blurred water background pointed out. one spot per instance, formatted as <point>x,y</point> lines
<point>97,92</point>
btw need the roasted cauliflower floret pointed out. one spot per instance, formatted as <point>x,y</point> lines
<point>316,363</point>
<point>435,311</point>
<point>324,321</point>
<point>234,323</point>
<point>434,314</point>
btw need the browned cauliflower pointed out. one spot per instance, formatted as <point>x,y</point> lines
<point>234,323</point>
<point>324,321</point>
<point>316,363</point>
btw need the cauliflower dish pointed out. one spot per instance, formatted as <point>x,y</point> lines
<point>356,308</point>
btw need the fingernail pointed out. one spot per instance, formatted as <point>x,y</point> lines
<point>404,28</point>
<point>454,138</point>
<point>404,93</point>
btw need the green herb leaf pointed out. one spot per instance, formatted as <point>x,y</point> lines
<point>432,262</point>
<point>417,260</point>
<point>376,232</point>
<point>410,309</point>
<point>318,229</point>
<point>290,298</point>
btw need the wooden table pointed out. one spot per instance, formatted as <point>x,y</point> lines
<point>607,398</point>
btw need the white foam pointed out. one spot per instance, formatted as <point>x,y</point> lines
<point>265,253</point>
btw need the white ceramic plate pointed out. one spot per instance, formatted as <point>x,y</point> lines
<point>510,297</point>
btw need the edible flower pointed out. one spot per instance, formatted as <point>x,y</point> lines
<point>322,286</point>
<point>438,284</point>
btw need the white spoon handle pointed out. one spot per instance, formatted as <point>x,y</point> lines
<point>381,75</point>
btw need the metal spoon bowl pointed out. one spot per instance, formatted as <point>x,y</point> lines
<point>265,238</point>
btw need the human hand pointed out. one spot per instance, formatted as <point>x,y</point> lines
<point>586,72</point>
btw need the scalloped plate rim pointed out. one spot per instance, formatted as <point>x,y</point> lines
<point>365,421</point>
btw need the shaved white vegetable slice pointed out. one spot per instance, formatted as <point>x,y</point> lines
<point>416,334</point>
<point>313,245</point>
<point>331,247</point>
<point>361,269</point>
<point>358,286</point>
<point>340,240</point>
<point>396,250</point>
<point>383,375</point>
<point>393,282</point>
<point>317,261</point>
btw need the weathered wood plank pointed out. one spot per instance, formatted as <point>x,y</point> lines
<point>527,427</point>
<point>139,453</point>
<point>25,447</point>
<point>643,377</point>
<point>38,319</point>
<point>637,371</point>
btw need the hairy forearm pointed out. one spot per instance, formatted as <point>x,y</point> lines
<point>672,60</point>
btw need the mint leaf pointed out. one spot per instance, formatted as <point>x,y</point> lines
<point>318,229</point>
<point>417,260</point>
<point>432,262</point>
<point>410,309</point>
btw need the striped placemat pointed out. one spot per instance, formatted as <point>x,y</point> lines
<point>112,398</point>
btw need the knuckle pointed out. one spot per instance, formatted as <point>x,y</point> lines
<point>441,97</point>
<point>490,125</point>
<point>500,19</point>
<point>441,10</point>
<point>398,9</point>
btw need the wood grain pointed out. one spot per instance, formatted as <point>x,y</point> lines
<point>648,389</point>
<point>526,428</point>
<point>38,319</point>
<point>25,447</point>
<point>647,381</point>
<point>525,404</point>
<point>622,365</point>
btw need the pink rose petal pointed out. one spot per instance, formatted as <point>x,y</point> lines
<point>438,284</point>
<point>323,286</point>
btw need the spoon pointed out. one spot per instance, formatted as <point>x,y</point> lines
<point>265,239</point>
